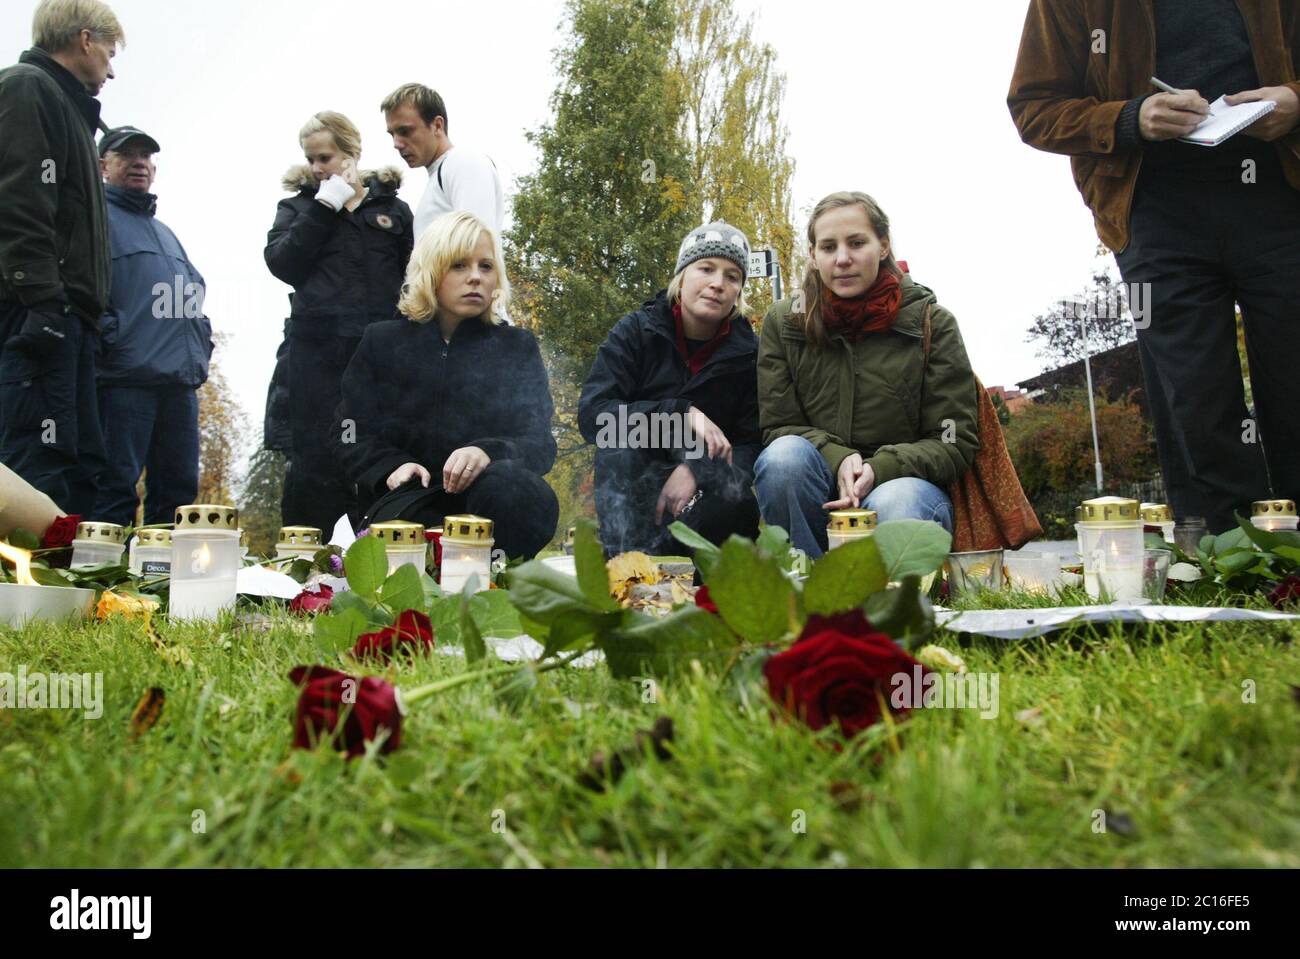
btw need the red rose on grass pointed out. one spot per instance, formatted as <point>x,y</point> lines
<point>1286,592</point>
<point>434,537</point>
<point>370,706</point>
<point>60,536</point>
<point>838,671</point>
<point>312,602</point>
<point>412,629</point>
<point>704,601</point>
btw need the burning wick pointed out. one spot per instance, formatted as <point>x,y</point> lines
<point>202,559</point>
<point>22,561</point>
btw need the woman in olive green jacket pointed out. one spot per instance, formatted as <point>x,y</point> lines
<point>854,411</point>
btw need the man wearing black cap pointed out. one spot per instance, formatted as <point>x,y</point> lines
<point>156,343</point>
<point>54,260</point>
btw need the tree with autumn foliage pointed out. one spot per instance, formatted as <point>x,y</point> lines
<point>733,93</point>
<point>223,434</point>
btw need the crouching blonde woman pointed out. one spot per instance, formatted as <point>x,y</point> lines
<point>451,406</point>
<point>866,396</point>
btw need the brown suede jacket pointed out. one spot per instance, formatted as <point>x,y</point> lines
<point>1066,94</point>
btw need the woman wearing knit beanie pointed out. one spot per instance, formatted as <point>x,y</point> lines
<point>671,404</point>
<point>868,399</point>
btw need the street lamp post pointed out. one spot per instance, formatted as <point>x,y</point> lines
<point>1082,308</point>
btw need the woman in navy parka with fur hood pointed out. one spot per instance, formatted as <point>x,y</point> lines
<point>342,242</point>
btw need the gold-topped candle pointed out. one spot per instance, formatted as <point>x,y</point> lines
<point>1274,515</point>
<point>466,552</point>
<point>404,543</point>
<point>205,561</point>
<point>1159,514</point>
<point>846,525</point>
<point>1111,541</point>
<point>97,544</point>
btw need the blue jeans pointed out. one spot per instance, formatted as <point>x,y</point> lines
<point>154,428</point>
<point>793,480</point>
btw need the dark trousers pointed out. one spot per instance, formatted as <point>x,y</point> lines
<point>155,428</point>
<point>521,505</point>
<point>316,490</point>
<point>1203,245</point>
<point>628,484</point>
<point>49,416</point>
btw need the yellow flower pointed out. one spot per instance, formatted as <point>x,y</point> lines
<point>941,660</point>
<point>130,607</point>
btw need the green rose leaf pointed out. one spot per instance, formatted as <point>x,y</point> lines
<point>338,631</point>
<point>366,564</point>
<point>589,559</point>
<point>471,640</point>
<point>912,546</point>
<point>374,616</point>
<point>903,613</point>
<point>706,554</point>
<point>51,577</point>
<point>660,646</point>
<point>403,590</point>
<point>844,577</point>
<point>751,592</point>
<point>25,539</point>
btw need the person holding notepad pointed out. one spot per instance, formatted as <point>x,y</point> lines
<point>1180,118</point>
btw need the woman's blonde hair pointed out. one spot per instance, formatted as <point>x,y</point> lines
<point>345,133</point>
<point>57,24</point>
<point>813,326</point>
<point>742,307</point>
<point>448,239</point>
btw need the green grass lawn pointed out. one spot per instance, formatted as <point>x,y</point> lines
<point>1146,724</point>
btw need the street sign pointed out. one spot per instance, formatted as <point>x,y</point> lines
<point>760,264</point>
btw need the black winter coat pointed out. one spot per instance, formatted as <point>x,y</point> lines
<point>415,399</point>
<point>346,268</point>
<point>640,366</point>
<point>54,246</point>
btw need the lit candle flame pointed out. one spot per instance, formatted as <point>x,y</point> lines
<point>202,559</point>
<point>22,561</point>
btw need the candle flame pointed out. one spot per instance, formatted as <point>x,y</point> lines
<point>202,559</point>
<point>22,561</point>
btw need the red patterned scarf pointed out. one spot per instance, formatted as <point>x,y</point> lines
<point>873,312</point>
<point>695,362</point>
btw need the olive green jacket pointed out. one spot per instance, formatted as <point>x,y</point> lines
<point>875,397</point>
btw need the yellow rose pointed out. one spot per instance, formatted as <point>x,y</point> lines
<point>130,607</point>
<point>941,660</point>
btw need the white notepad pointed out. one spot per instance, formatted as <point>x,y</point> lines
<point>1225,120</point>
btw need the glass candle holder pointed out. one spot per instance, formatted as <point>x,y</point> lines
<point>297,542</point>
<point>153,553</point>
<point>243,547</point>
<point>973,571</point>
<point>847,525</point>
<point>1158,514</point>
<point>96,544</point>
<point>403,542</point>
<point>1274,515</point>
<point>205,561</point>
<point>1111,540</point>
<point>466,552</point>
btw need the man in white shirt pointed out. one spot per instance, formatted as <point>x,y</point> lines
<point>459,179</point>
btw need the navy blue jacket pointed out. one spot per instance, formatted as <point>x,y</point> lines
<point>155,332</point>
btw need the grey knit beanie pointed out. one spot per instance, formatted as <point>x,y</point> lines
<point>715,239</point>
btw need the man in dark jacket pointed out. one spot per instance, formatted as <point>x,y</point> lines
<point>652,382</point>
<point>54,255</point>
<point>156,343</point>
<point>1195,229</point>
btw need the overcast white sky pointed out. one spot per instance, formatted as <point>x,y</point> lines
<point>904,100</point>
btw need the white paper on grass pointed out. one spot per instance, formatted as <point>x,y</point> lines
<point>1025,623</point>
<point>343,536</point>
<point>519,649</point>
<point>260,581</point>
